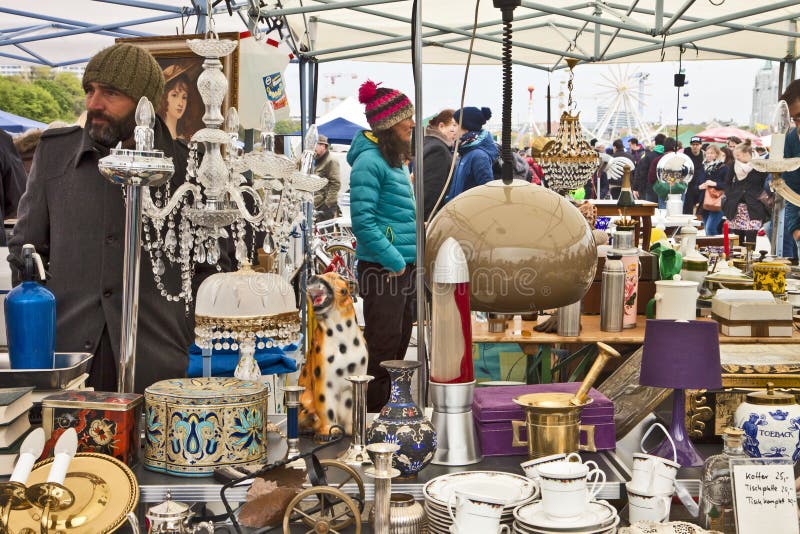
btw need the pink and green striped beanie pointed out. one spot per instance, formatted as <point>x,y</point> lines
<point>384,107</point>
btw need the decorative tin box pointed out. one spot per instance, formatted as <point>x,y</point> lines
<point>494,410</point>
<point>196,425</point>
<point>107,423</point>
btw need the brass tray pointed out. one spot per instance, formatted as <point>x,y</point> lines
<point>105,492</point>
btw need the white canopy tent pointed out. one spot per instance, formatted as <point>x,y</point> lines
<point>56,32</point>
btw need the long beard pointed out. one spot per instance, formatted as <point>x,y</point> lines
<point>111,132</point>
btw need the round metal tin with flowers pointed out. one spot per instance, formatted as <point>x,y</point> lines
<point>196,425</point>
<point>401,422</point>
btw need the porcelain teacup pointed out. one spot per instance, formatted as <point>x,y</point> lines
<point>653,474</point>
<point>643,506</point>
<point>530,466</point>
<point>567,488</point>
<point>475,513</point>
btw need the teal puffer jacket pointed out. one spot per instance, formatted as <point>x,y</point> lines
<point>382,206</point>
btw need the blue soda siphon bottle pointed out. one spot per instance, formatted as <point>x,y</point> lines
<point>31,316</point>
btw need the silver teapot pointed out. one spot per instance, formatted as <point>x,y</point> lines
<point>172,517</point>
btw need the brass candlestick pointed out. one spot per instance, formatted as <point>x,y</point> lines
<point>356,454</point>
<point>12,497</point>
<point>50,497</point>
<point>292,400</point>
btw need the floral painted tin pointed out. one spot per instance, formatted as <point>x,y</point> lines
<point>196,425</point>
<point>106,423</point>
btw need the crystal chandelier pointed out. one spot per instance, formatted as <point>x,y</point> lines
<point>568,161</point>
<point>184,227</point>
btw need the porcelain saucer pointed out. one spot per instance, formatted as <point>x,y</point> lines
<point>520,528</point>
<point>518,489</point>
<point>598,514</point>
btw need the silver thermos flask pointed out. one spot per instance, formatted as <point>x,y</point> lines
<point>612,294</point>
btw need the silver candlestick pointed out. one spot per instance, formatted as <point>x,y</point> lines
<point>383,473</point>
<point>134,169</point>
<point>292,401</point>
<point>357,453</point>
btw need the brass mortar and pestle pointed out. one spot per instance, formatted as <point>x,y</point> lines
<point>553,419</point>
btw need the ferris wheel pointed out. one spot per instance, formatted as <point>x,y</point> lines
<point>622,98</point>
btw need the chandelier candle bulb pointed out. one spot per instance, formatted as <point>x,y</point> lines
<point>29,451</point>
<point>66,447</point>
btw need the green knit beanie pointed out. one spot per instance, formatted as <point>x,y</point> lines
<point>127,68</point>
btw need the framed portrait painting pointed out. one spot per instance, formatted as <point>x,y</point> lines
<point>181,106</point>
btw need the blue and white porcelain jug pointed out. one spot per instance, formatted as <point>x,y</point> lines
<point>771,423</point>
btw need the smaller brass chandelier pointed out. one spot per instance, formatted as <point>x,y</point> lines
<point>568,161</point>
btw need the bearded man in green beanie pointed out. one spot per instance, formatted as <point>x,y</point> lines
<point>76,220</point>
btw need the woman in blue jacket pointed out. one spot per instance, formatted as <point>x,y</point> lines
<point>383,213</point>
<point>476,148</point>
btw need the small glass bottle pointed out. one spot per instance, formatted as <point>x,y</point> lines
<point>716,492</point>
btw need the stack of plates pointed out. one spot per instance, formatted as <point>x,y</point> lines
<point>515,489</point>
<point>599,518</point>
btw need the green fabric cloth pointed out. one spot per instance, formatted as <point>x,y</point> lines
<point>658,149</point>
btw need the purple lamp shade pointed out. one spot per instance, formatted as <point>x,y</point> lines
<point>681,355</point>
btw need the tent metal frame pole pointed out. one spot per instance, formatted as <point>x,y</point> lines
<point>145,5</point>
<point>446,29</point>
<point>732,25</point>
<point>692,39</point>
<point>395,38</point>
<point>658,21</point>
<point>87,29</point>
<point>326,7</point>
<point>73,23</point>
<point>616,32</point>
<point>202,17</point>
<point>597,28</point>
<point>733,16</point>
<point>449,47</point>
<point>419,177</point>
<point>108,33</point>
<point>676,17</point>
<point>589,18</point>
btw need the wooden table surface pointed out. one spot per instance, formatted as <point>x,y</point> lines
<point>522,332</point>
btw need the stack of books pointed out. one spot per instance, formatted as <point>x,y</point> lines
<point>15,403</point>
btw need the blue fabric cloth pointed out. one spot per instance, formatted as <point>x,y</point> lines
<point>272,361</point>
<point>382,207</point>
<point>478,151</point>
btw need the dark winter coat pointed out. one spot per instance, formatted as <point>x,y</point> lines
<point>475,166</point>
<point>76,220</point>
<point>436,158</point>
<point>745,191</point>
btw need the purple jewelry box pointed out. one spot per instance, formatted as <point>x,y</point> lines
<point>493,410</point>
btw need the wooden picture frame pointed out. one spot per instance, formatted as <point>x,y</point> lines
<point>632,402</point>
<point>181,69</point>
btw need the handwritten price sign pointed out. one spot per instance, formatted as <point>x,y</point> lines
<point>765,498</point>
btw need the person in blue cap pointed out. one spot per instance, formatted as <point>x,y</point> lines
<point>477,149</point>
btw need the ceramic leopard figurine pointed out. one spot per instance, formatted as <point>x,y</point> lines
<point>337,350</point>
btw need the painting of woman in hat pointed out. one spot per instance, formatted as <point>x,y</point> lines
<point>181,107</point>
